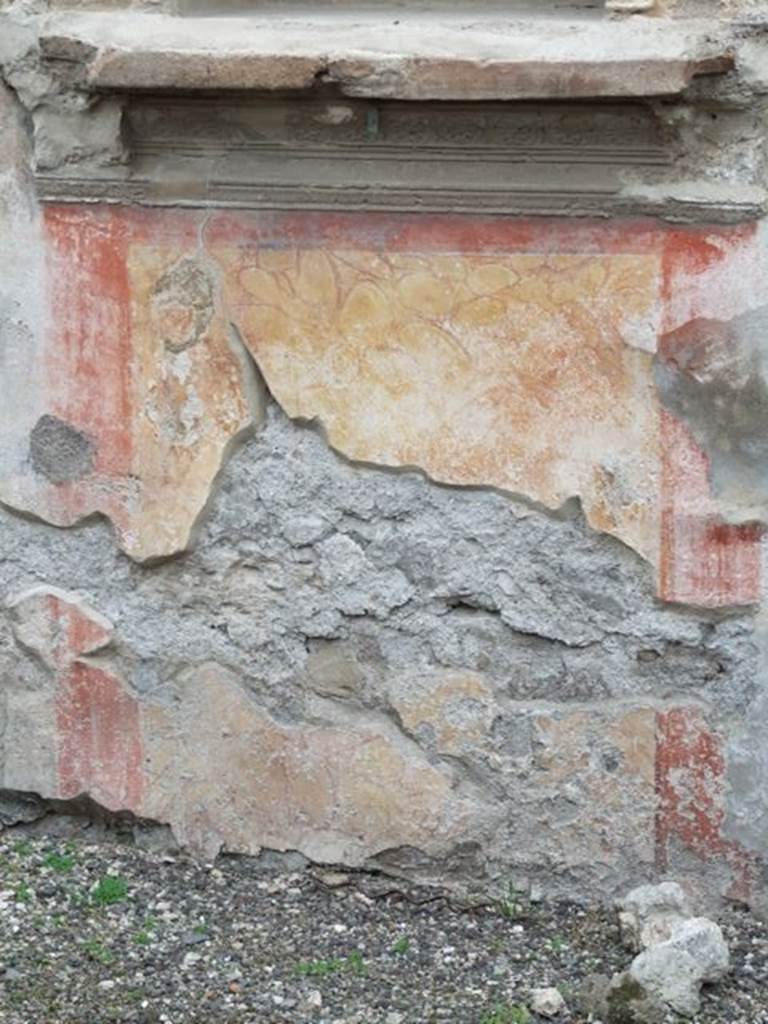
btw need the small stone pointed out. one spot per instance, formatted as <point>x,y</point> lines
<point>393,1017</point>
<point>547,1002</point>
<point>276,886</point>
<point>107,985</point>
<point>334,879</point>
<point>501,966</point>
<point>314,1000</point>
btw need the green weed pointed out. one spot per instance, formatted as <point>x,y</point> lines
<point>60,862</point>
<point>108,890</point>
<point>507,1013</point>
<point>322,968</point>
<point>514,904</point>
<point>355,963</point>
<point>22,893</point>
<point>99,952</point>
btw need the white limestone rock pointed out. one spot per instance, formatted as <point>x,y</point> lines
<point>674,970</point>
<point>650,914</point>
<point>703,940</point>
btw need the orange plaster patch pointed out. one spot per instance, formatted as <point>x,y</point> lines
<point>469,366</point>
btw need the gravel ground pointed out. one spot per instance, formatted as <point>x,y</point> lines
<point>93,933</point>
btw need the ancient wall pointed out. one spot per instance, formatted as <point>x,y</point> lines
<point>383,465</point>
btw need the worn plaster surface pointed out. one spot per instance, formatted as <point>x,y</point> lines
<point>425,542</point>
<point>368,666</point>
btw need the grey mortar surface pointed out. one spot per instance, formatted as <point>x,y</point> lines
<point>309,570</point>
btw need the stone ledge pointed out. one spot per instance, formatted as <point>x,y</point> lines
<point>417,57</point>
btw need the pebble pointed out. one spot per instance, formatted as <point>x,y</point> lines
<point>314,1000</point>
<point>334,879</point>
<point>547,1002</point>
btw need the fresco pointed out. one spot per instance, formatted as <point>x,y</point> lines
<point>509,355</point>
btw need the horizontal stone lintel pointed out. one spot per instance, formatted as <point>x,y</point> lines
<point>721,205</point>
<point>405,56</point>
<point>266,152</point>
